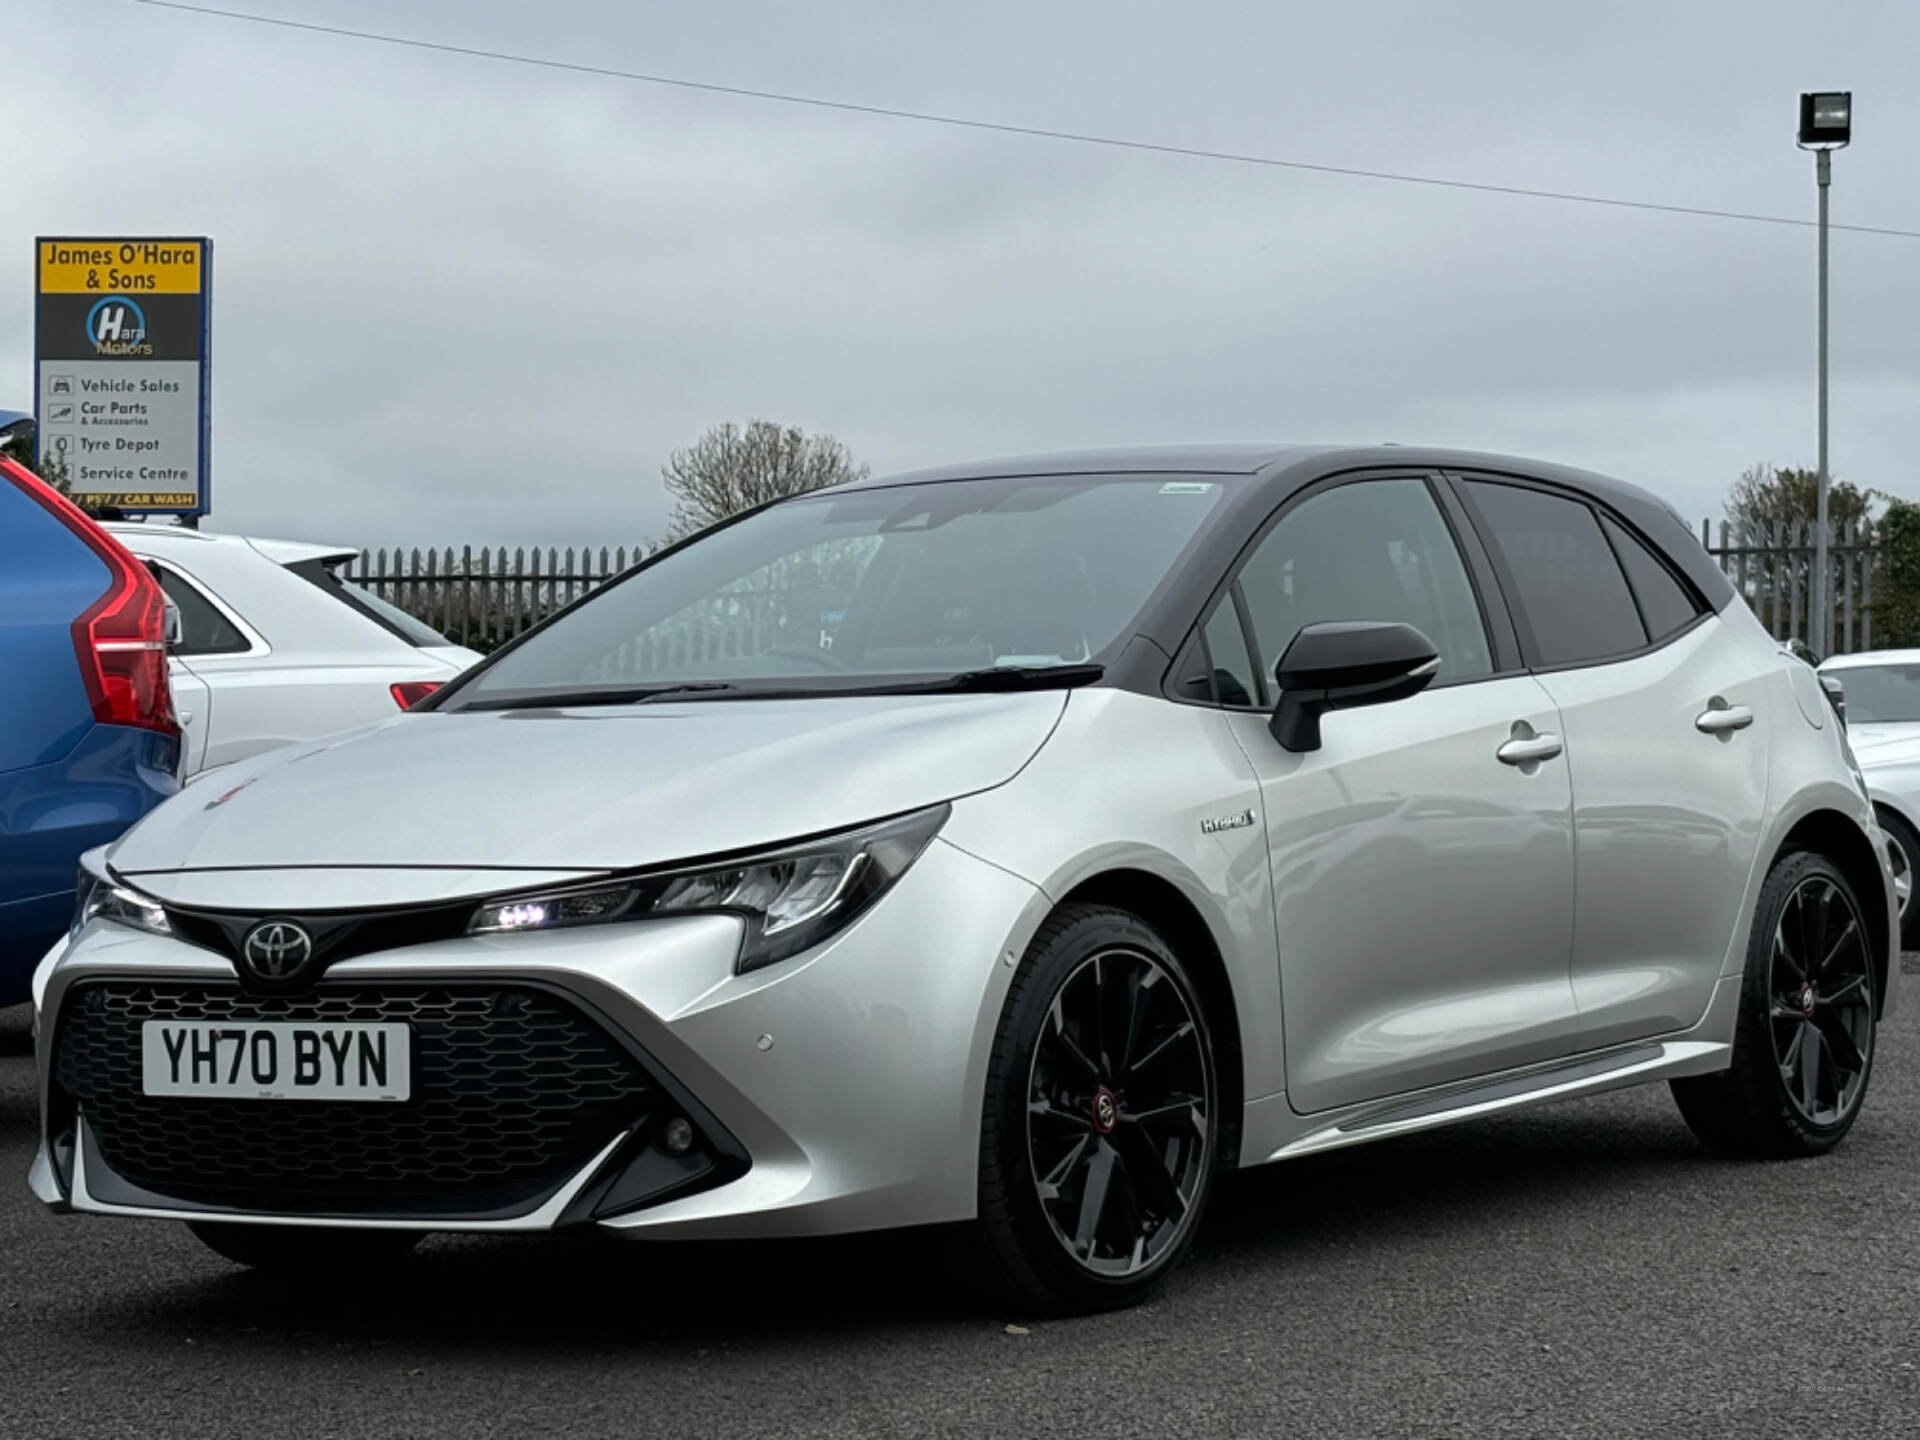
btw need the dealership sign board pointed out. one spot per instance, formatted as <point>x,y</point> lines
<point>121,370</point>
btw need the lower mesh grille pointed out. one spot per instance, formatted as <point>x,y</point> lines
<point>514,1090</point>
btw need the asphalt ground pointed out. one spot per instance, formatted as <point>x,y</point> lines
<point>1579,1269</point>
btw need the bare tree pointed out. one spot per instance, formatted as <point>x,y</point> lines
<point>730,469</point>
<point>1766,506</point>
<point>1764,497</point>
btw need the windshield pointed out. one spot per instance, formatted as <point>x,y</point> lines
<point>843,591</point>
<point>1880,694</point>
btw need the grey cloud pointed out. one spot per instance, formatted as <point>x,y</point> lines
<point>464,302</point>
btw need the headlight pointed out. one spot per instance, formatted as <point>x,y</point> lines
<point>791,899</point>
<point>98,898</point>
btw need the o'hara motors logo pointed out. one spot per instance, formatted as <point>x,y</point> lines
<point>1214,824</point>
<point>117,326</point>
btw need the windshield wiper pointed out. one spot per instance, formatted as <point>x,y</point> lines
<point>1010,677</point>
<point>604,695</point>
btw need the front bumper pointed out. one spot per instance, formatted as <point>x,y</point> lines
<point>845,1083</point>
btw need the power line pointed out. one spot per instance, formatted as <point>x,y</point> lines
<point>998,127</point>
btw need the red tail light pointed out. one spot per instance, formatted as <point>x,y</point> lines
<point>409,693</point>
<point>120,639</point>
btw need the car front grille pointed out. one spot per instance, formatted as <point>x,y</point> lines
<point>515,1088</point>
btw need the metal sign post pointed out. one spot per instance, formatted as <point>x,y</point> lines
<point>122,369</point>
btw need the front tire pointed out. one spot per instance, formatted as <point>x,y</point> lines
<point>311,1250</point>
<point>1100,1130</point>
<point>1803,1045</point>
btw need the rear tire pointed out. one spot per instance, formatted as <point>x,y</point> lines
<point>1101,1126</point>
<point>304,1249</point>
<point>1804,1041</point>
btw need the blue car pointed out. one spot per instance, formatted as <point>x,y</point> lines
<point>88,738</point>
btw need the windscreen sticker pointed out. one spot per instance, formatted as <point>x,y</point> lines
<point>1187,487</point>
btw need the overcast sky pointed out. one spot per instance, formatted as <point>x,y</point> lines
<point>459,301</point>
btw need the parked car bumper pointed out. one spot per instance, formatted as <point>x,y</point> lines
<point>837,1091</point>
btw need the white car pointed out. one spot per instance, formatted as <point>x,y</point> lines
<point>1881,691</point>
<point>275,647</point>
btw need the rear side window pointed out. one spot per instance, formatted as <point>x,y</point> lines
<point>203,629</point>
<point>390,618</point>
<point>1664,603</point>
<point>1575,598</point>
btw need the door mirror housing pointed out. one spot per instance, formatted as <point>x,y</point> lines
<point>173,629</point>
<point>1836,697</point>
<point>1342,665</point>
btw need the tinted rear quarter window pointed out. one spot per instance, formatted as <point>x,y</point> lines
<point>1575,598</point>
<point>203,629</point>
<point>1664,602</point>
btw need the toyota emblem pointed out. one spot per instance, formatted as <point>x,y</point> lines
<point>276,951</point>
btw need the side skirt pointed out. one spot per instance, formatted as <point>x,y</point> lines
<point>1581,1075</point>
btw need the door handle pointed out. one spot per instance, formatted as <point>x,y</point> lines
<point>1528,750</point>
<point>185,718</point>
<point>1719,718</point>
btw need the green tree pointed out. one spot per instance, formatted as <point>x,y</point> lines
<point>50,468</point>
<point>730,469</point>
<point>1896,577</point>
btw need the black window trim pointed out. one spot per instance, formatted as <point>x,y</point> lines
<point>256,642</point>
<point>1458,480</point>
<point>1504,648</point>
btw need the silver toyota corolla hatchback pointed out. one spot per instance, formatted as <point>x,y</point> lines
<point>1023,844</point>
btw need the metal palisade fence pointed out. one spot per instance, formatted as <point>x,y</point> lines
<point>1772,568</point>
<point>482,598</point>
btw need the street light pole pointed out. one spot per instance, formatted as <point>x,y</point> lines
<point>1826,124</point>
<point>1823,176</point>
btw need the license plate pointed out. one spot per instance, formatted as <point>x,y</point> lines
<point>275,1060</point>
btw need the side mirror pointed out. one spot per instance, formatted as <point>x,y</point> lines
<point>1836,697</point>
<point>1342,665</point>
<point>172,628</point>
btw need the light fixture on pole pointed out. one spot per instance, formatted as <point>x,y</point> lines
<point>1826,125</point>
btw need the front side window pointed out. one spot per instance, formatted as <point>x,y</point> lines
<point>1880,694</point>
<point>1575,598</point>
<point>844,591</point>
<point>1369,550</point>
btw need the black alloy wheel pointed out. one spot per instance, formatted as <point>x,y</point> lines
<point>1804,1038</point>
<point>1100,1135</point>
<point>1821,987</point>
<point>1117,1112</point>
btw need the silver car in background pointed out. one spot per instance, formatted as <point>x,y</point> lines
<point>1022,844</point>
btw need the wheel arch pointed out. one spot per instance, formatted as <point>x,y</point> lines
<point>1839,837</point>
<point>1162,905</point>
